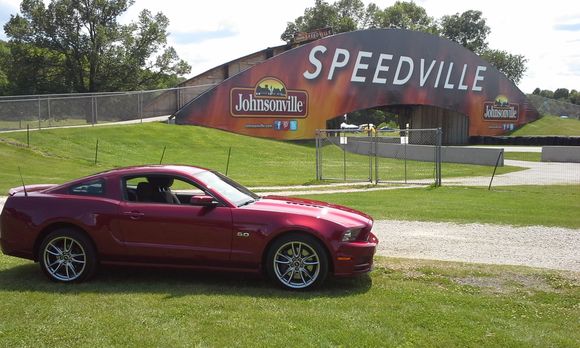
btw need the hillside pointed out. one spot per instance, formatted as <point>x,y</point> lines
<point>550,125</point>
<point>546,106</point>
<point>58,155</point>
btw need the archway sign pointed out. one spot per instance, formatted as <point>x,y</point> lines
<point>291,95</point>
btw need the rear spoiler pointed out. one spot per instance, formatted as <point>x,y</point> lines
<point>30,188</point>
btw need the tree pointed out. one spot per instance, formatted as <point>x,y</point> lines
<point>36,70</point>
<point>406,15</point>
<point>4,65</point>
<point>320,16</point>
<point>342,16</point>
<point>561,93</point>
<point>513,66</point>
<point>574,97</point>
<point>536,91</point>
<point>467,29</point>
<point>95,51</point>
<point>546,93</point>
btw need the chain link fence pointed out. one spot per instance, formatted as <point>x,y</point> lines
<point>405,156</point>
<point>54,110</point>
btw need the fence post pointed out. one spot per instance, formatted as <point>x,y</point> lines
<point>495,168</point>
<point>48,107</point>
<point>38,113</point>
<point>96,151</point>
<point>320,157</point>
<point>228,161</point>
<point>439,135</point>
<point>316,144</point>
<point>376,151</point>
<point>405,150</point>
<point>344,156</point>
<point>163,154</point>
<point>139,115</point>
<point>176,101</point>
<point>93,110</point>
<point>96,110</point>
<point>371,136</point>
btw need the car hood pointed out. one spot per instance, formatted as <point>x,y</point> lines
<point>336,213</point>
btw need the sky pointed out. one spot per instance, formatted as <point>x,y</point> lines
<point>209,33</point>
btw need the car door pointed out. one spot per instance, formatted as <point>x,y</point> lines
<point>176,233</point>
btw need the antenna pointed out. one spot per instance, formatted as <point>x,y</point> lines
<point>22,179</point>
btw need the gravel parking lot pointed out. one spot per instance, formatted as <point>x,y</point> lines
<point>536,246</point>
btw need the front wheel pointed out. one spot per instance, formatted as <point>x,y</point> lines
<point>67,256</point>
<point>297,262</point>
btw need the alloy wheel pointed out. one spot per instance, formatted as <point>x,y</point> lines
<point>296,265</point>
<point>64,258</point>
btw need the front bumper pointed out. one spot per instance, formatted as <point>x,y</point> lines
<point>355,257</point>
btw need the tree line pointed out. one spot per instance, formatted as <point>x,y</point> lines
<point>468,28</point>
<point>561,94</point>
<point>79,46</point>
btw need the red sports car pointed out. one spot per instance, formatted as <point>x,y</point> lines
<point>182,216</point>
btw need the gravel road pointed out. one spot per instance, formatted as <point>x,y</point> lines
<point>536,246</point>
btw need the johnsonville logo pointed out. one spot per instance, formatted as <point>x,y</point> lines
<point>269,98</point>
<point>501,110</point>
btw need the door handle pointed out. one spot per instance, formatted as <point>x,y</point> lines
<point>134,215</point>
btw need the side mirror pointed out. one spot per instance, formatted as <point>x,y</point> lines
<point>206,201</point>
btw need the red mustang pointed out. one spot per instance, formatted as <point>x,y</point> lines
<point>182,216</point>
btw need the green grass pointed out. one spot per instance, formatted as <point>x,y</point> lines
<point>523,156</point>
<point>550,125</point>
<point>58,155</point>
<point>519,205</point>
<point>401,303</point>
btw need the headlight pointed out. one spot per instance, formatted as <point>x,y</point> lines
<point>350,234</point>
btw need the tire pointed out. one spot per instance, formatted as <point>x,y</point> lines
<point>297,262</point>
<point>67,256</point>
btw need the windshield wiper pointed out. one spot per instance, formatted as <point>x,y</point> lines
<point>247,202</point>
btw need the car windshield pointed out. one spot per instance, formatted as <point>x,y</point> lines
<point>226,187</point>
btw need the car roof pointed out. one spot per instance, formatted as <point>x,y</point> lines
<point>155,169</point>
<point>173,169</point>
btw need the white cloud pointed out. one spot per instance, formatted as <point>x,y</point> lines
<point>236,28</point>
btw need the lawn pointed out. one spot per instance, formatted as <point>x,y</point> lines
<point>550,125</point>
<point>523,156</point>
<point>57,155</point>
<point>514,205</point>
<point>401,303</point>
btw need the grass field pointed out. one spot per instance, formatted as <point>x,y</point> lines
<point>401,303</point>
<point>550,125</point>
<point>523,156</point>
<point>57,155</point>
<point>519,205</point>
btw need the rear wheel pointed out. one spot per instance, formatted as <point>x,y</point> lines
<point>297,262</point>
<point>67,256</point>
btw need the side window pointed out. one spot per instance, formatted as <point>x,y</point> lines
<point>159,189</point>
<point>89,188</point>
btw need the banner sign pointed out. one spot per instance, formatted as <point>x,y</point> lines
<point>312,35</point>
<point>269,98</point>
<point>292,94</point>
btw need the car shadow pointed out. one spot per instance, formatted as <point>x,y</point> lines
<point>175,283</point>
